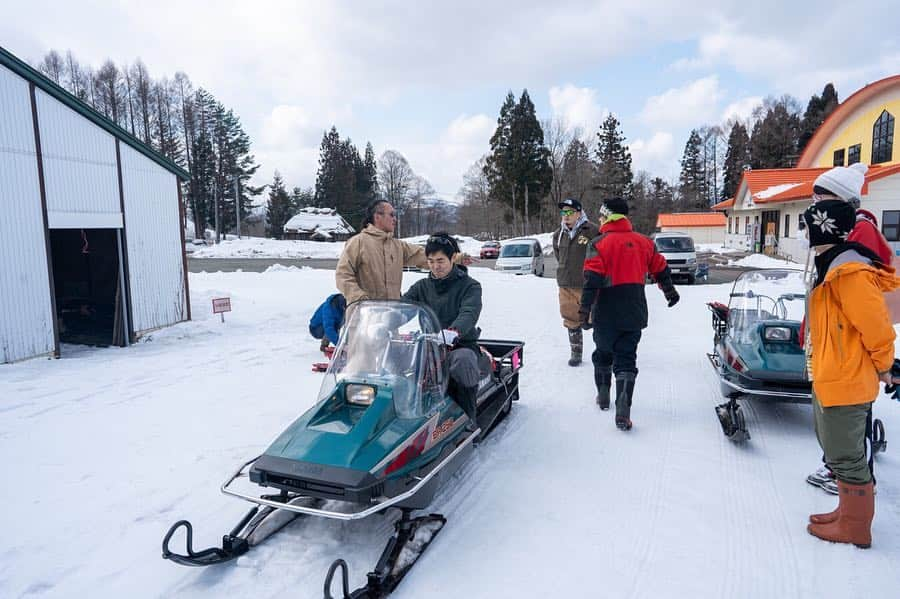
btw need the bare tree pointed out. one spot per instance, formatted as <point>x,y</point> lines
<point>109,85</point>
<point>142,90</point>
<point>421,192</point>
<point>395,178</point>
<point>52,66</point>
<point>75,77</point>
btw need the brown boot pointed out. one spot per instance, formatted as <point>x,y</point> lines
<point>826,518</point>
<point>854,521</point>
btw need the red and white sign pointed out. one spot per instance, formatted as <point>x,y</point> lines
<point>221,304</point>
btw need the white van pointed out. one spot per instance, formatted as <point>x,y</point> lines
<point>678,250</point>
<point>521,256</point>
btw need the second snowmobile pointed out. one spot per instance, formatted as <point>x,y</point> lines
<point>385,433</point>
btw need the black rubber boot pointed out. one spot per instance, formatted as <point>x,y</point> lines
<point>576,342</point>
<point>624,392</point>
<point>467,399</point>
<point>603,380</point>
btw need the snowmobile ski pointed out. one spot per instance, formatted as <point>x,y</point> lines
<point>410,539</point>
<point>731,417</point>
<point>258,524</point>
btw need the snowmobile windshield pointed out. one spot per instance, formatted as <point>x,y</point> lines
<point>765,296</point>
<point>394,346</point>
<point>516,250</point>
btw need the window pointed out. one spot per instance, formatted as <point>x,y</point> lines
<point>890,224</point>
<point>787,225</point>
<point>853,154</point>
<point>883,138</point>
<point>800,223</point>
<point>746,225</point>
<point>729,225</point>
<point>839,157</point>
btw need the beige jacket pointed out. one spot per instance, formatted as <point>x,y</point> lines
<point>371,265</point>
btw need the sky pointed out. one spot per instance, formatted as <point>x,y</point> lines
<point>427,79</point>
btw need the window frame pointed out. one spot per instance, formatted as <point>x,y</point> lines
<point>839,157</point>
<point>883,138</point>
<point>854,151</point>
<point>892,235</point>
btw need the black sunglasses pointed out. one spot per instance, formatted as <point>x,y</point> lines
<point>441,240</point>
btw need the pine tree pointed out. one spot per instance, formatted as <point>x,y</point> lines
<point>498,167</point>
<point>614,174</point>
<point>773,142</point>
<point>817,110</point>
<point>531,158</point>
<point>279,208</point>
<point>692,182</point>
<point>736,158</point>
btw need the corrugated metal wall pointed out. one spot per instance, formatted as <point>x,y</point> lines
<point>80,176</point>
<point>26,326</point>
<point>153,228</point>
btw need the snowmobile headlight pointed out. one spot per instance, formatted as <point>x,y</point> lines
<point>777,334</point>
<point>360,395</point>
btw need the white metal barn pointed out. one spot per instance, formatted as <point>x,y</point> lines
<point>91,246</point>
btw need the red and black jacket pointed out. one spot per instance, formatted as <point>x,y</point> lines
<point>615,272</point>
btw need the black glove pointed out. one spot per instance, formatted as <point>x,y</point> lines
<point>671,295</point>
<point>585,318</point>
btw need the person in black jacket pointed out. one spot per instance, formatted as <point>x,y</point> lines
<point>570,244</point>
<point>615,270</point>
<point>455,298</point>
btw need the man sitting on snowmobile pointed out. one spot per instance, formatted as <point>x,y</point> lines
<point>455,298</point>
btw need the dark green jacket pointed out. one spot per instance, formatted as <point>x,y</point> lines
<point>455,299</point>
<point>570,253</point>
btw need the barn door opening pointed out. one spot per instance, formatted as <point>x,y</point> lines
<point>90,303</point>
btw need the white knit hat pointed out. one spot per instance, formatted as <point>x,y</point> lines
<point>845,182</point>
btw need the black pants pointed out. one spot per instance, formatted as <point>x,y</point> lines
<point>615,350</point>
<point>462,366</point>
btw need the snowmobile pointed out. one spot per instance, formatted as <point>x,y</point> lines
<point>386,432</point>
<point>756,344</point>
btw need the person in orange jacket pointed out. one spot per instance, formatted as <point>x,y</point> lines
<point>851,349</point>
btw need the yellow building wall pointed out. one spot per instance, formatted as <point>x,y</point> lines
<point>859,131</point>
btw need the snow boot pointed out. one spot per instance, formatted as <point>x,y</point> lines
<point>603,380</point>
<point>467,399</point>
<point>576,342</point>
<point>824,479</point>
<point>856,509</point>
<point>624,392</point>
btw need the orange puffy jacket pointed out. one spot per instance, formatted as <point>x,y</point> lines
<point>851,333</point>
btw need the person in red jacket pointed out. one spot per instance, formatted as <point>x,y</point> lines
<point>612,298</point>
<point>866,233</point>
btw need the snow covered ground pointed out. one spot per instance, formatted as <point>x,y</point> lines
<point>258,247</point>
<point>763,261</point>
<point>106,448</point>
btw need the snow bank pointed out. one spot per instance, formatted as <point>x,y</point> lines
<point>763,261</point>
<point>258,247</point>
<point>714,248</point>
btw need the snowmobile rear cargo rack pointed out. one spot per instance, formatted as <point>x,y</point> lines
<point>358,515</point>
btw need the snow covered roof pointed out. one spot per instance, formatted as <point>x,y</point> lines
<point>774,190</point>
<point>691,219</point>
<point>324,221</point>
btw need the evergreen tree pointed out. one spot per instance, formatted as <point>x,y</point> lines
<point>279,208</point>
<point>614,174</point>
<point>692,182</point>
<point>736,158</point>
<point>531,158</point>
<point>498,166</point>
<point>343,181</point>
<point>817,110</point>
<point>773,142</point>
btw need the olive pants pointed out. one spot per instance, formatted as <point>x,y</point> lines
<point>841,431</point>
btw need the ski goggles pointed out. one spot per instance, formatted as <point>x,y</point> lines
<point>441,240</point>
<point>567,212</point>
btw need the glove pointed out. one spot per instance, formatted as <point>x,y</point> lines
<point>671,295</point>
<point>449,336</point>
<point>585,318</point>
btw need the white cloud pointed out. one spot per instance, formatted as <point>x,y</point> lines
<point>693,103</point>
<point>741,109</point>
<point>657,155</point>
<point>577,106</point>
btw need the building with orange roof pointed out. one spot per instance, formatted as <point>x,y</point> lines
<point>703,227</point>
<point>764,214</point>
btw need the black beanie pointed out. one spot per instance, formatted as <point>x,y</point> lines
<point>829,222</point>
<point>614,206</point>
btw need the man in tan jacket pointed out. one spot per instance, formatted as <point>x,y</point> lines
<point>371,265</point>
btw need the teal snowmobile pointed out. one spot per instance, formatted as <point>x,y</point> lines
<point>385,432</point>
<point>756,344</point>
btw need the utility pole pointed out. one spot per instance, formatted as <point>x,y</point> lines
<point>237,202</point>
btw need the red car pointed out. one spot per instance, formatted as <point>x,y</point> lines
<point>490,249</point>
